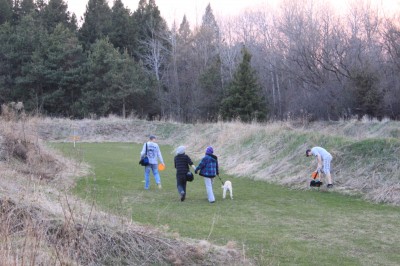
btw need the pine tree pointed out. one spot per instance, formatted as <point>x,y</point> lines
<point>27,7</point>
<point>97,22</point>
<point>368,97</point>
<point>54,72</point>
<point>120,36</point>
<point>55,12</point>
<point>152,29</point>
<point>244,99</point>
<point>5,11</point>
<point>207,42</point>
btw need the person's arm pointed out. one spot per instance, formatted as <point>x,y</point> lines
<point>190,162</point>
<point>143,152</point>
<point>200,166</point>
<point>319,160</point>
<point>160,156</point>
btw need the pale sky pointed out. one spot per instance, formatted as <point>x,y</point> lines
<point>194,9</point>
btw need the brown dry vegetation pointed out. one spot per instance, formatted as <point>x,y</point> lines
<point>42,224</point>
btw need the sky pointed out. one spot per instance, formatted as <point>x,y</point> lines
<point>194,9</point>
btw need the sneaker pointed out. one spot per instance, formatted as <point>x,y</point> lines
<point>212,201</point>
<point>159,185</point>
<point>330,185</point>
<point>183,195</point>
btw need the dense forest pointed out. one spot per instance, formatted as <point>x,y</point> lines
<point>297,60</point>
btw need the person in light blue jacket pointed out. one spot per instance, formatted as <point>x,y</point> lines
<point>154,155</point>
<point>324,159</point>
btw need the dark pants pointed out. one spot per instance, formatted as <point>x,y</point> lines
<point>181,184</point>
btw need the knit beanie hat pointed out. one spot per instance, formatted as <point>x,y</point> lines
<point>209,150</point>
<point>180,150</point>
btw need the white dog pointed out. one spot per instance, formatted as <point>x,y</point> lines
<point>227,186</point>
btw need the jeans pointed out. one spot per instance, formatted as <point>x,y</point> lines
<point>154,168</point>
<point>209,187</point>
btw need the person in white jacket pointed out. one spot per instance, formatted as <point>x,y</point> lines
<point>324,159</point>
<point>154,155</point>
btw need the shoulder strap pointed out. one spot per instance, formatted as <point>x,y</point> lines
<point>146,148</point>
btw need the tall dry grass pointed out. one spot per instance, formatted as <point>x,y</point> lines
<point>41,223</point>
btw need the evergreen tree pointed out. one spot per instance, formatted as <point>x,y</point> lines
<point>27,7</point>
<point>153,47</point>
<point>244,99</point>
<point>132,89</point>
<point>114,83</point>
<point>96,93</point>
<point>121,34</point>
<point>183,74</point>
<point>207,39</point>
<point>6,66</point>
<point>55,68</point>
<point>5,11</point>
<point>151,28</point>
<point>19,47</point>
<point>16,12</point>
<point>54,13</point>
<point>366,94</point>
<point>210,80</point>
<point>97,22</point>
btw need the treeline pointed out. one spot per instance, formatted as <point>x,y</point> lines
<point>298,60</point>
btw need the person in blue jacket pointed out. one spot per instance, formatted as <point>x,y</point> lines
<point>208,168</point>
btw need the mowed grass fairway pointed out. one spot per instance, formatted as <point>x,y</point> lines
<point>272,224</point>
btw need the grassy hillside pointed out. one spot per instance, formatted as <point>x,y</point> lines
<point>43,223</point>
<point>365,152</point>
<point>269,223</point>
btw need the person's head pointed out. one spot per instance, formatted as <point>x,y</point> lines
<point>209,150</point>
<point>308,152</point>
<point>152,138</point>
<point>180,150</point>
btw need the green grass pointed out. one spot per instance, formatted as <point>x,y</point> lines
<point>272,224</point>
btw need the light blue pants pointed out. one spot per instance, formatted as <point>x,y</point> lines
<point>154,168</point>
<point>209,187</point>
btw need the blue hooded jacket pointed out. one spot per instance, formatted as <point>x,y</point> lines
<point>208,166</point>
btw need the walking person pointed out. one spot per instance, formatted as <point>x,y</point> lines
<point>182,162</point>
<point>324,159</point>
<point>208,168</point>
<point>154,155</point>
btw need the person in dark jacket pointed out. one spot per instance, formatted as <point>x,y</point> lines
<point>208,168</point>
<point>182,163</point>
